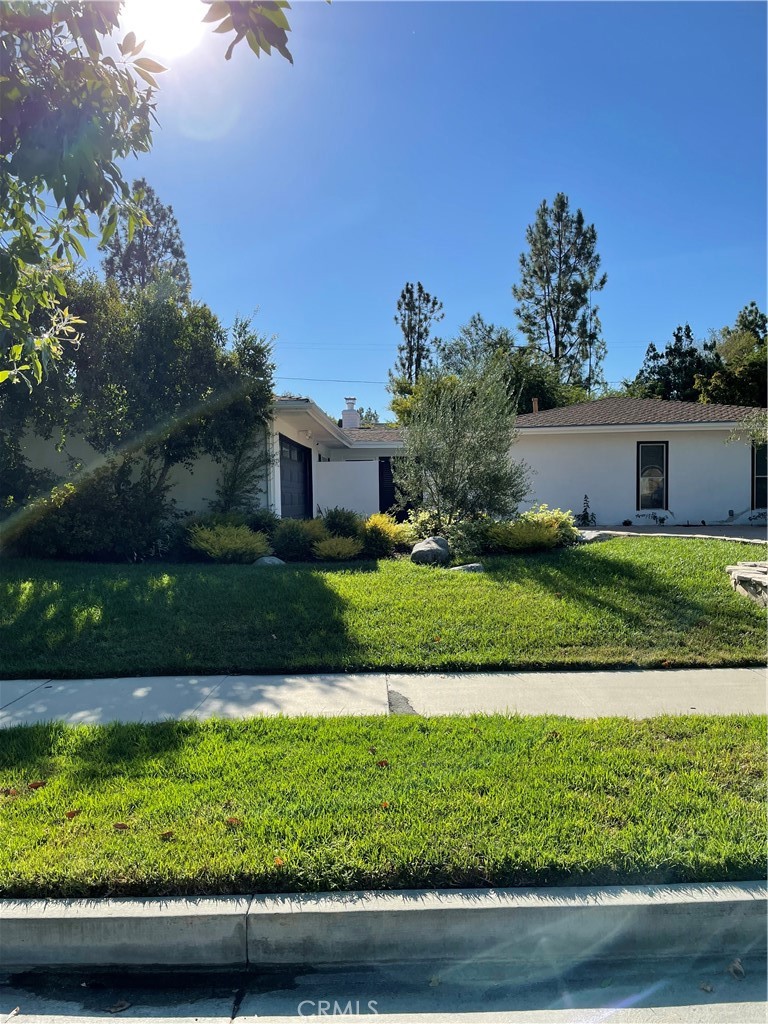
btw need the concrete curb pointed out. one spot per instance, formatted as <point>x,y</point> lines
<point>527,925</point>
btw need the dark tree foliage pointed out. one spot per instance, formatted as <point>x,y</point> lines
<point>743,377</point>
<point>154,252</point>
<point>672,374</point>
<point>70,114</point>
<point>155,381</point>
<point>528,374</point>
<point>558,275</point>
<point>417,311</point>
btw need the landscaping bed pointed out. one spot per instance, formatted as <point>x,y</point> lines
<point>272,805</point>
<point>645,601</point>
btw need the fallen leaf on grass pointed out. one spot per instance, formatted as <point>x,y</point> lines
<point>736,970</point>
<point>665,664</point>
<point>279,862</point>
<point>72,814</point>
<point>167,836</point>
<point>118,1007</point>
<point>384,805</point>
<point>706,987</point>
<point>120,826</point>
<point>35,785</point>
<point>9,791</point>
<point>233,822</point>
<point>384,763</point>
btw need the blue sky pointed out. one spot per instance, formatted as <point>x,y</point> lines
<point>415,141</point>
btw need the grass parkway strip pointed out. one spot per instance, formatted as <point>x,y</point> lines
<point>301,805</point>
<point>632,601</point>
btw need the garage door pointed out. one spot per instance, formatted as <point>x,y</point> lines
<point>295,480</point>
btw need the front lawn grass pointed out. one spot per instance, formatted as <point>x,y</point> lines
<point>631,601</point>
<point>277,804</point>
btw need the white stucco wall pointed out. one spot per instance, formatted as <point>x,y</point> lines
<point>353,485</point>
<point>193,489</point>
<point>706,477</point>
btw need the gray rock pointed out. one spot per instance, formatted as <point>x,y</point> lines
<point>432,551</point>
<point>469,567</point>
<point>269,560</point>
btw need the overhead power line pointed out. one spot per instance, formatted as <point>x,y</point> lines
<point>332,380</point>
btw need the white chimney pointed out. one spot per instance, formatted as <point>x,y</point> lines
<point>350,417</point>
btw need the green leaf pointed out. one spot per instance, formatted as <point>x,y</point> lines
<point>147,77</point>
<point>110,227</point>
<point>226,26</point>
<point>74,242</point>
<point>147,64</point>
<point>128,44</point>
<point>4,375</point>
<point>217,11</point>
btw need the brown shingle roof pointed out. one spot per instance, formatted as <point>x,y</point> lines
<point>384,435</point>
<point>607,412</point>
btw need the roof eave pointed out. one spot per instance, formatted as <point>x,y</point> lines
<point>583,428</point>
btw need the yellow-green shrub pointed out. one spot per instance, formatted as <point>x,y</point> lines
<point>539,528</point>
<point>400,535</point>
<point>338,549</point>
<point>228,543</point>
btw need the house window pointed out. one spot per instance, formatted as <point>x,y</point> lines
<point>759,467</point>
<point>652,457</point>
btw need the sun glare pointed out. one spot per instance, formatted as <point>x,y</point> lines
<point>170,28</point>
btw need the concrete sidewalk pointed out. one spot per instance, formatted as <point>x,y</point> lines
<point>635,693</point>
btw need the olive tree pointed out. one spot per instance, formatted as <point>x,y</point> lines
<point>456,457</point>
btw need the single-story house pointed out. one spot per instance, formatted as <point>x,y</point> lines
<point>316,463</point>
<point>634,458</point>
<point>637,458</point>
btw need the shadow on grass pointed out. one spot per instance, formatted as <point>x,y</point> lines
<point>93,755</point>
<point>62,620</point>
<point>641,597</point>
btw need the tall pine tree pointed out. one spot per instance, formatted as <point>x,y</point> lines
<point>417,311</point>
<point>558,276</point>
<point>154,252</point>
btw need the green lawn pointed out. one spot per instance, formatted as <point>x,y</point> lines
<point>326,804</point>
<point>635,601</point>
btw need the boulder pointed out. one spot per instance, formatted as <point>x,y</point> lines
<point>469,567</point>
<point>269,560</point>
<point>432,551</point>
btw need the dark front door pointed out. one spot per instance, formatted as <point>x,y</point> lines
<point>295,480</point>
<point>386,485</point>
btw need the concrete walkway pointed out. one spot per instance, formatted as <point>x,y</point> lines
<point>734,532</point>
<point>636,693</point>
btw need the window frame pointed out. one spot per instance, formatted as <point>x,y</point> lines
<point>754,475</point>
<point>665,505</point>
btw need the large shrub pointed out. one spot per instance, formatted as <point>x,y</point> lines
<point>376,542</point>
<point>228,543</point>
<point>539,528</point>
<point>338,549</point>
<point>108,516</point>
<point>263,520</point>
<point>342,522</point>
<point>400,535</point>
<point>294,539</point>
<point>467,537</point>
